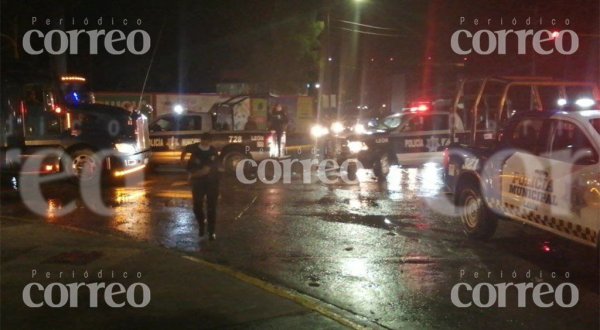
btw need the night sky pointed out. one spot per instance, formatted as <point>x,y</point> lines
<point>200,43</point>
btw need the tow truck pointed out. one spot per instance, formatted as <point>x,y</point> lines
<point>12,144</point>
<point>532,159</point>
<point>47,117</point>
<point>170,133</point>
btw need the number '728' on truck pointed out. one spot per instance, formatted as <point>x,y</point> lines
<point>170,133</point>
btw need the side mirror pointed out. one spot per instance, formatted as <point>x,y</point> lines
<point>585,157</point>
<point>500,135</point>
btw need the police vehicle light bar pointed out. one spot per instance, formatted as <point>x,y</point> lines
<point>72,78</point>
<point>585,102</point>
<point>419,106</point>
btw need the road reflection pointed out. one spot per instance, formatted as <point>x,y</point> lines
<point>411,182</point>
<point>132,210</point>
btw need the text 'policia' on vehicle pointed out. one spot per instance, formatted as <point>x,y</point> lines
<point>529,153</point>
<point>415,136</point>
<point>234,139</point>
<point>42,112</point>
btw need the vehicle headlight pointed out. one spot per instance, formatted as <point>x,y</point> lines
<point>318,131</point>
<point>337,127</point>
<point>359,129</point>
<point>125,148</point>
<point>357,146</point>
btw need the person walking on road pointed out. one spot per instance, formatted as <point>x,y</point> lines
<point>278,123</point>
<point>203,175</point>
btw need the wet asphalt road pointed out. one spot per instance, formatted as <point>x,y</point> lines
<point>375,249</point>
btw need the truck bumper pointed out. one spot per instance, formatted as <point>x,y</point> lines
<point>260,155</point>
<point>128,164</point>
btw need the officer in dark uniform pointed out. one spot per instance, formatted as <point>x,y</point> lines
<point>278,123</point>
<point>203,174</point>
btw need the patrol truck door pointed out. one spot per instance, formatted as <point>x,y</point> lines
<point>573,162</point>
<point>421,138</point>
<point>523,176</point>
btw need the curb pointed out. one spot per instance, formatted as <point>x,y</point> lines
<point>306,301</point>
<point>311,303</point>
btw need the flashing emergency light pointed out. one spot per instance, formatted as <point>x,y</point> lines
<point>585,102</point>
<point>419,106</point>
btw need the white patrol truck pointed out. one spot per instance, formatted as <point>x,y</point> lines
<point>543,170</point>
<point>170,133</point>
<point>232,133</point>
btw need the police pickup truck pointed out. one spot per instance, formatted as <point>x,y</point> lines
<point>542,170</point>
<point>415,136</point>
<point>170,133</point>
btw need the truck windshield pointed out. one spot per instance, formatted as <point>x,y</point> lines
<point>76,93</point>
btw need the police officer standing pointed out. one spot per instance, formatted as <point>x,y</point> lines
<point>203,174</point>
<point>278,123</point>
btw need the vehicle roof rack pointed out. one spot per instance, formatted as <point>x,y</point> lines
<point>536,78</point>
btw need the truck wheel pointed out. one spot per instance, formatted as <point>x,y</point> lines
<point>478,221</point>
<point>85,166</point>
<point>151,168</point>
<point>231,159</point>
<point>352,168</point>
<point>381,168</point>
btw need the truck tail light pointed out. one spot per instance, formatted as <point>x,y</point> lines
<point>270,139</point>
